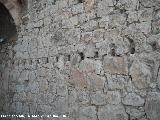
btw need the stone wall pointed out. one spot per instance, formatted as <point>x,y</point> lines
<point>87,59</point>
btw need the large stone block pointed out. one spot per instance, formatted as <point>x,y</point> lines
<point>78,79</point>
<point>91,66</point>
<point>141,74</point>
<point>115,65</point>
<point>83,80</point>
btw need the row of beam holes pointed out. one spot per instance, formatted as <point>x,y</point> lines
<point>81,54</point>
<point>69,57</point>
<point>38,61</point>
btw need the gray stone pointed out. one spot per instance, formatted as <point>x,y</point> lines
<point>141,74</point>
<point>158,79</point>
<point>88,59</point>
<point>104,8</point>
<point>91,66</point>
<point>90,25</point>
<point>113,97</point>
<point>116,82</point>
<point>70,23</point>
<point>135,112</point>
<point>87,113</point>
<point>73,36</point>
<point>112,112</point>
<point>128,4</point>
<point>98,98</point>
<point>150,3</point>
<point>20,88</point>
<point>83,96</point>
<point>133,100</point>
<point>77,9</point>
<point>90,51</point>
<point>152,106</point>
<point>39,23</point>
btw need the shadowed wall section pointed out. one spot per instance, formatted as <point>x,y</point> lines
<point>7,25</point>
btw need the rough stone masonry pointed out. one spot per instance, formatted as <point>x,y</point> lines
<point>87,59</point>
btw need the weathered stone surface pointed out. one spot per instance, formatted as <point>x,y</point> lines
<point>90,51</point>
<point>115,65</point>
<point>89,72</point>
<point>70,23</point>
<point>83,96</point>
<point>90,66</point>
<point>87,59</point>
<point>133,100</point>
<point>150,3</point>
<point>158,79</point>
<point>73,35</point>
<point>89,26</point>
<point>87,113</point>
<point>113,97</point>
<point>117,82</point>
<point>135,112</point>
<point>104,8</point>
<point>76,9</point>
<point>78,79</point>
<point>95,82</point>
<point>112,112</point>
<point>152,106</point>
<point>98,98</point>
